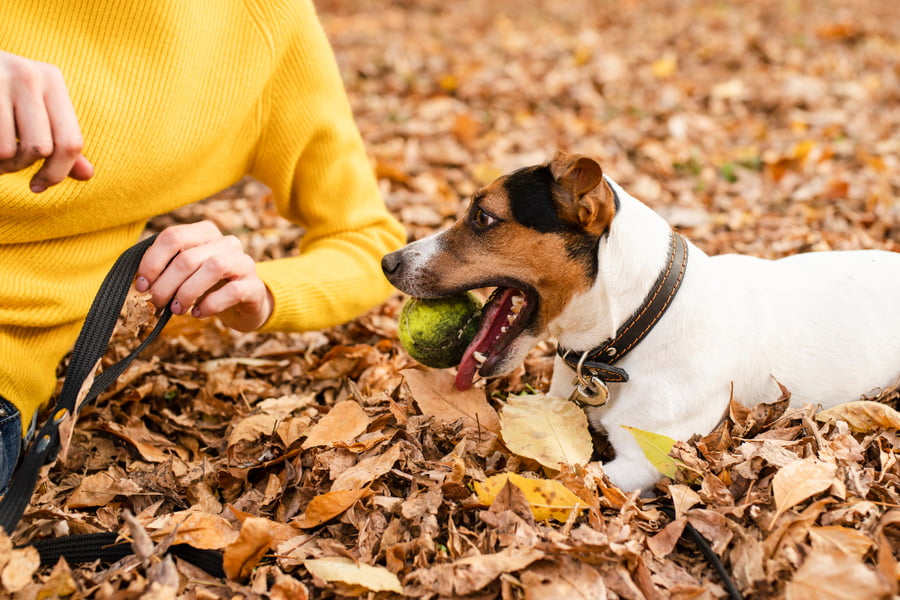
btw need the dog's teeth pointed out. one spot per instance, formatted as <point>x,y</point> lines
<point>479,357</point>
<point>510,319</point>
<point>517,302</point>
<point>504,329</point>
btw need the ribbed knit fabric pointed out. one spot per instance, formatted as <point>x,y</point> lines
<point>178,99</point>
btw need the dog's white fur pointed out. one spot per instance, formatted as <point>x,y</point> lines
<point>823,324</point>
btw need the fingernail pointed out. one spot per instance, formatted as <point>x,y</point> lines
<point>196,312</point>
<point>176,307</point>
<point>141,284</point>
<point>37,188</point>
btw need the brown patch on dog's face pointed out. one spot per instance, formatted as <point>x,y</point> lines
<point>535,230</point>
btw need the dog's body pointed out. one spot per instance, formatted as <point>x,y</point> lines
<point>583,254</point>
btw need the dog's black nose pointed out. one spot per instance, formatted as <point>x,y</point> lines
<point>390,263</point>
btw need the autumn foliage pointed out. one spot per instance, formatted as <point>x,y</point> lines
<point>329,465</point>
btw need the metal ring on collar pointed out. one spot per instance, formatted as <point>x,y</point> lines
<point>579,368</point>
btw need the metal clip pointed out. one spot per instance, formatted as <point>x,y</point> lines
<point>588,391</point>
<point>592,393</point>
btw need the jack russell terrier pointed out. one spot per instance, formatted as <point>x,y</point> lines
<point>652,333</point>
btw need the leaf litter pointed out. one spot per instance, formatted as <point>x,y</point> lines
<point>328,465</point>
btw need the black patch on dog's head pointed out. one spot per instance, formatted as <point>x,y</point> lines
<point>530,193</point>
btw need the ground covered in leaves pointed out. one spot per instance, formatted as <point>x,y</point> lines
<point>326,465</point>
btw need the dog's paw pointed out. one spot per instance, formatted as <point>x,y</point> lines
<point>631,475</point>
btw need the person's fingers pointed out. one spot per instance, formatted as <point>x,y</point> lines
<point>82,170</point>
<point>200,270</point>
<point>67,140</point>
<point>243,304</point>
<point>32,122</point>
<point>9,145</point>
<point>168,244</point>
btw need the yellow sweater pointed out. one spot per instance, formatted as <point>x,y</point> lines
<point>178,99</point>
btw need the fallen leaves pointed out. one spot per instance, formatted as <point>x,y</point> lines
<point>354,574</point>
<point>436,395</point>
<point>862,416</point>
<point>657,448</point>
<point>547,499</point>
<point>552,431</point>
<point>799,480</point>
<point>766,128</point>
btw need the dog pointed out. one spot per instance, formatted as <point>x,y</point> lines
<point>575,258</point>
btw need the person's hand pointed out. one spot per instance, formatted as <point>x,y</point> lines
<point>38,122</point>
<point>194,267</point>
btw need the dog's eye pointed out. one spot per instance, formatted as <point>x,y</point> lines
<point>483,219</point>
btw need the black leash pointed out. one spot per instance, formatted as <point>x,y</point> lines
<point>91,345</point>
<point>708,553</point>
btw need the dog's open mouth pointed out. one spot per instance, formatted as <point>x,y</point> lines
<point>505,315</point>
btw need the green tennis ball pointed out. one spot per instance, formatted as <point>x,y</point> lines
<point>436,331</point>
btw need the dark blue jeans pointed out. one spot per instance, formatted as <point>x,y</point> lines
<point>10,441</point>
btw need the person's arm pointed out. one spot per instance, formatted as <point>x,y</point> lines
<point>37,122</point>
<point>312,157</point>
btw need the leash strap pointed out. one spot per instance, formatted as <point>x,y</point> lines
<point>90,347</point>
<point>599,361</point>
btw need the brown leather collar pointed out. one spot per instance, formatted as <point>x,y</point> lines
<point>599,361</point>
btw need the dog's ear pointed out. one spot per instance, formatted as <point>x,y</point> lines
<point>585,199</point>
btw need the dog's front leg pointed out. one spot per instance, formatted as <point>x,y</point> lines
<point>561,384</point>
<point>630,470</point>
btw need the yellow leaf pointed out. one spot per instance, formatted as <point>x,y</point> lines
<point>664,67</point>
<point>547,429</point>
<point>448,82</point>
<point>350,572</point>
<point>548,499</point>
<point>802,149</point>
<point>656,448</point>
<point>863,416</point>
<point>797,481</point>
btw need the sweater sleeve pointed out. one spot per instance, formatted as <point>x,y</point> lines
<point>312,157</point>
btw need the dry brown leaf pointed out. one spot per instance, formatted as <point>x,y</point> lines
<point>835,577</point>
<point>22,564</point>
<point>834,538</point>
<point>367,470</point>
<point>353,573</point>
<point>343,423</point>
<point>564,578</point>
<point>435,392</point>
<point>60,583</point>
<point>862,416</point>
<point>152,446</point>
<point>473,573</point>
<point>326,506</point>
<point>199,529</point>
<point>547,429</point>
<point>99,489</point>
<point>252,428</point>
<point>799,480</point>
<point>253,541</point>
<point>683,498</point>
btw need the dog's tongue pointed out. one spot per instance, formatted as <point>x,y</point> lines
<point>493,317</point>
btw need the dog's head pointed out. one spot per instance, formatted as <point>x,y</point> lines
<point>532,234</point>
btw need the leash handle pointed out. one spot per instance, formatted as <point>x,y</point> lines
<point>91,345</point>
